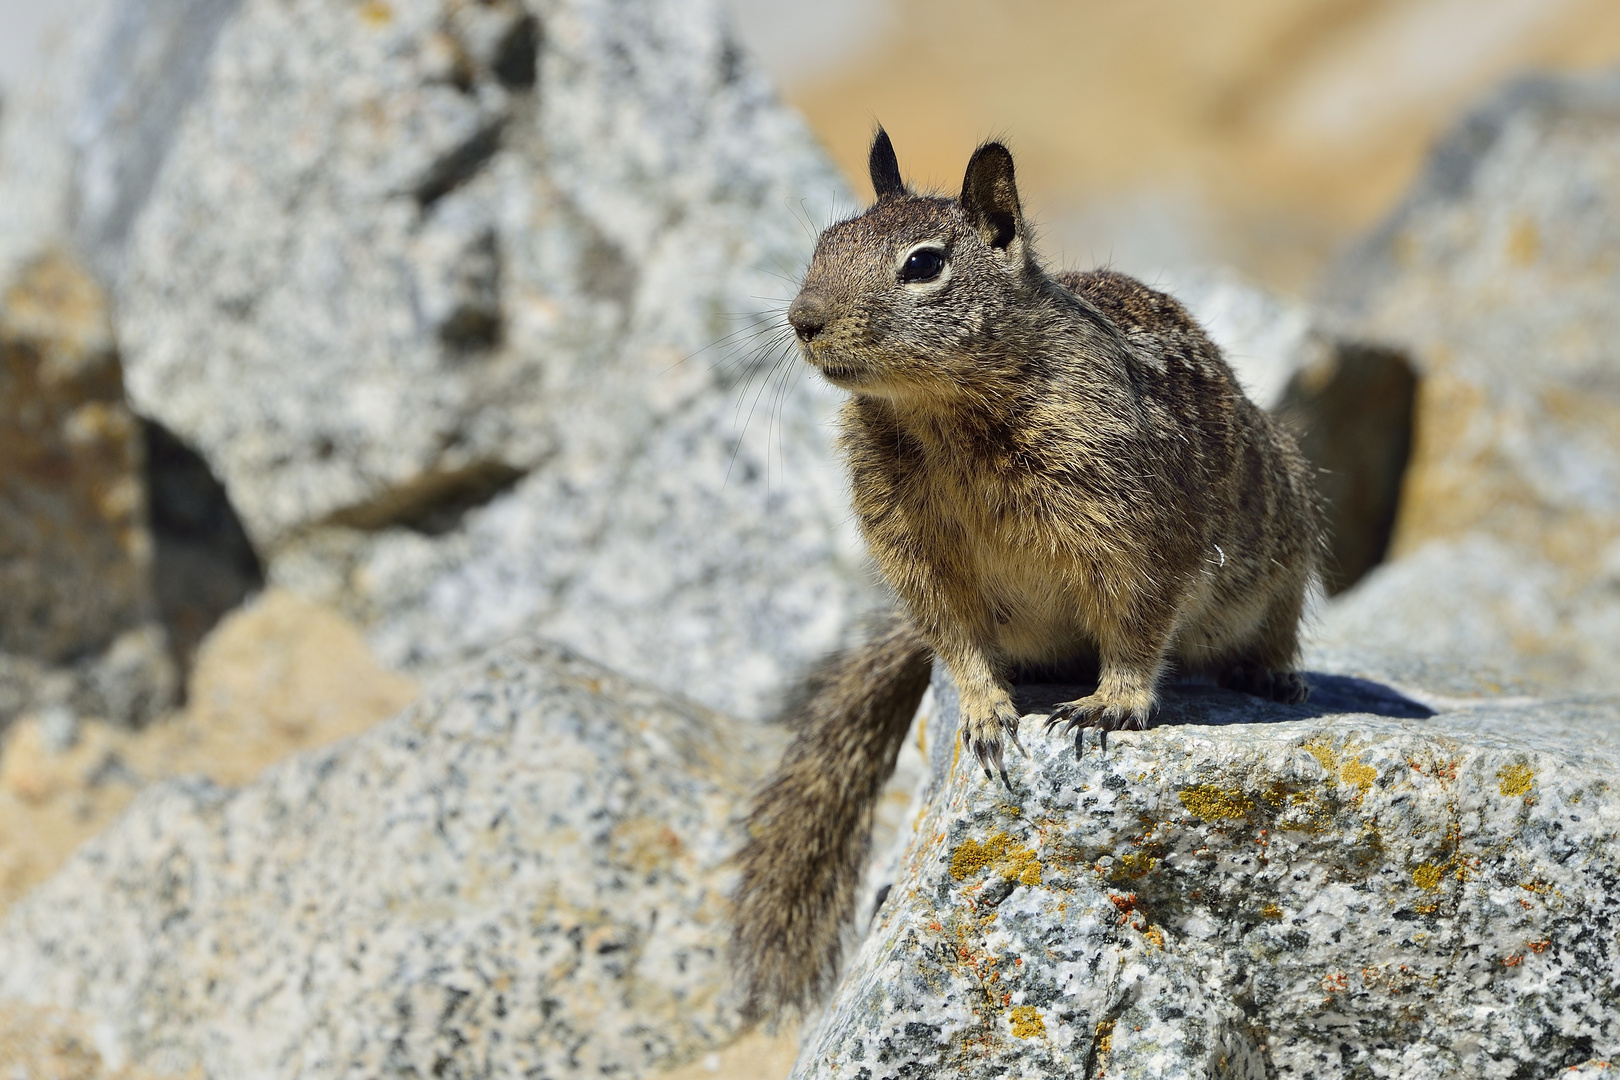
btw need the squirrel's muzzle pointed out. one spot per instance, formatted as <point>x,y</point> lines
<point>809,314</point>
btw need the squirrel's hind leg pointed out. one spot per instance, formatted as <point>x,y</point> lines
<point>1266,667</point>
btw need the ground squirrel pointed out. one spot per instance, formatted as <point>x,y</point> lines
<point>1046,470</point>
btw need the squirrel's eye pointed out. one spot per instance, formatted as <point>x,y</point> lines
<point>924,264</point>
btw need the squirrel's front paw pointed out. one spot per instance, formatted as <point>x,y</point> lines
<point>982,735</point>
<point>1103,713</point>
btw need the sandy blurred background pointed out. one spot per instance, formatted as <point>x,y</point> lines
<point>1261,134</point>
<point>1258,133</point>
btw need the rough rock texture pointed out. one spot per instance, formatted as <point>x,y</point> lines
<point>1498,278</point>
<point>469,307</point>
<point>77,624</point>
<point>80,145</point>
<point>519,876</point>
<point>278,676</point>
<point>1347,888</point>
<point>465,303</point>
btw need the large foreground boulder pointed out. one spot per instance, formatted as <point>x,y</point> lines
<point>469,306</point>
<point>1362,886</point>
<point>521,875</point>
<point>1497,276</point>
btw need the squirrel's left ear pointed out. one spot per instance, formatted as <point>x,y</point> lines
<point>990,196</point>
<point>885,169</point>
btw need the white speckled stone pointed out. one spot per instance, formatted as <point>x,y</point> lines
<point>470,307</point>
<point>522,875</point>
<point>1497,276</point>
<point>1343,889</point>
<point>345,349</point>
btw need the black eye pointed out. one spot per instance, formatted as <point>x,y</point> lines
<point>924,264</point>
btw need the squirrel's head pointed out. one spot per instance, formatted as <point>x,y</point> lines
<point>917,295</point>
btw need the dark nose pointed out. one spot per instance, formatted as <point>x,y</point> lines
<point>808,315</point>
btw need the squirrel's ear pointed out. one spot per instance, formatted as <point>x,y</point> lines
<point>990,196</point>
<point>884,168</point>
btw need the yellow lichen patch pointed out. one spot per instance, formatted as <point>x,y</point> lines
<point>970,857</point>
<point>1154,936</point>
<point>1133,864</point>
<point>1515,780</point>
<point>1027,1022</point>
<point>1426,876</point>
<point>376,12</point>
<point>1105,1036</point>
<point>1030,874</point>
<point>1212,803</point>
<point>1321,748</point>
<point>999,851</point>
<point>1357,774</point>
<point>1271,911</point>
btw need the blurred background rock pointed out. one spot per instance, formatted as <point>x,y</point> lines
<point>341,342</point>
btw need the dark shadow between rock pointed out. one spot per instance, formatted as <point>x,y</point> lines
<point>1200,703</point>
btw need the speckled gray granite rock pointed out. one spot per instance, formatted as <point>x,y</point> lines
<point>521,875</point>
<point>1350,888</point>
<point>81,143</point>
<point>1497,277</point>
<point>469,307</point>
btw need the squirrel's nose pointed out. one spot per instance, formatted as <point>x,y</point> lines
<point>808,315</point>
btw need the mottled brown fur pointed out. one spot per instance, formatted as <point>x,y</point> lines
<point>1043,468</point>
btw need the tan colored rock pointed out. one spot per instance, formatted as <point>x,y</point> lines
<point>49,1044</point>
<point>75,554</point>
<point>278,676</point>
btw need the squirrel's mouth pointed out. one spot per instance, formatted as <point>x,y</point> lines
<point>843,374</point>
<point>840,372</point>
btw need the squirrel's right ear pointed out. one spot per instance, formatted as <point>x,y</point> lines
<point>884,168</point>
<point>990,196</point>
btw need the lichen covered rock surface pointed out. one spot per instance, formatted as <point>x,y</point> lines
<point>1362,886</point>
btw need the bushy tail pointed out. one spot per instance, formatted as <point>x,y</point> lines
<point>811,823</point>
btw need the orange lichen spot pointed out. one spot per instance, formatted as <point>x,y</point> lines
<point>1427,876</point>
<point>376,12</point>
<point>1027,1022</point>
<point>1515,780</point>
<point>1538,946</point>
<point>1513,961</point>
<point>1271,911</point>
<point>1212,803</point>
